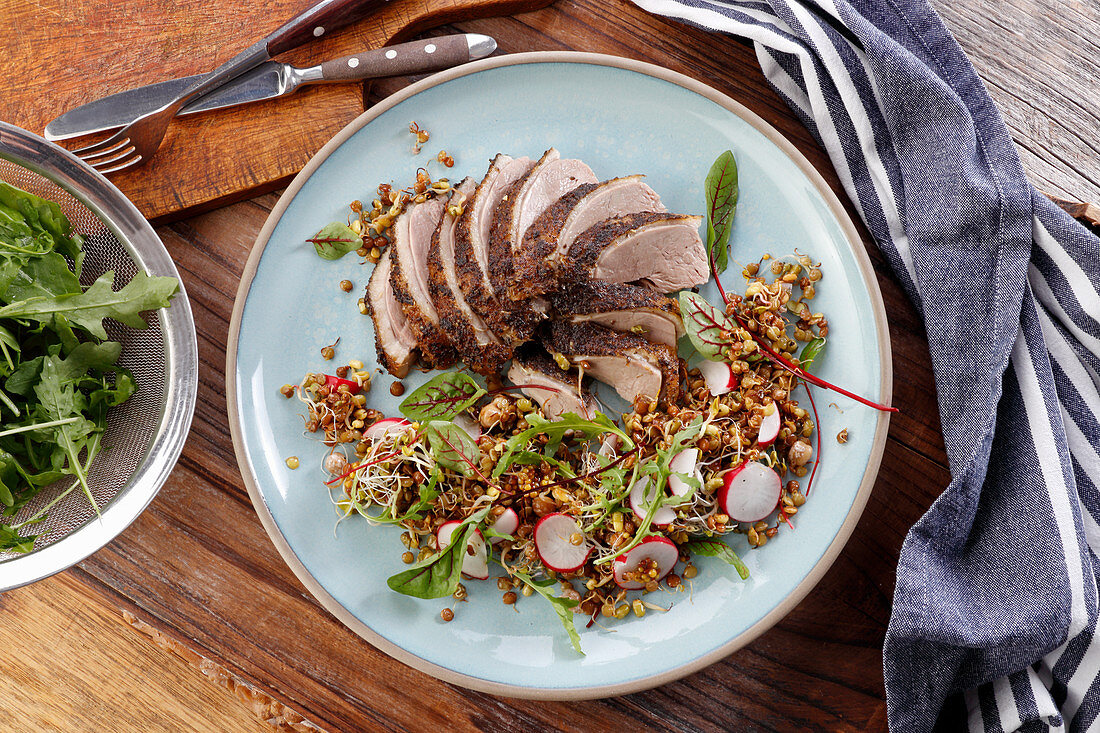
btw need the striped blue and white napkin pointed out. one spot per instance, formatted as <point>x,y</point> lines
<point>995,614</point>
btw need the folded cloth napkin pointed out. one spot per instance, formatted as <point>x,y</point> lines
<point>995,609</point>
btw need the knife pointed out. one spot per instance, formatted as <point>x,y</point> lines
<point>269,80</point>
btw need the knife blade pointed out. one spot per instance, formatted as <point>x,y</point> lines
<point>269,80</point>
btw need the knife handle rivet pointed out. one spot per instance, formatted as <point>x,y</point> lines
<point>318,31</point>
<point>353,62</point>
<point>430,48</point>
<point>391,54</point>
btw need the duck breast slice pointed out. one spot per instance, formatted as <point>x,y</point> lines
<point>475,342</point>
<point>471,248</point>
<point>550,179</point>
<point>555,389</point>
<point>662,250</point>
<point>630,364</point>
<point>412,237</point>
<point>552,233</point>
<point>393,339</point>
<point>622,307</point>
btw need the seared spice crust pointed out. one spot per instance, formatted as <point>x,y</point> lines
<point>579,341</point>
<point>436,350</point>
<point>596,296</point>
<point>452,320</point>
<point>533,273</point>
<point>471,279</point>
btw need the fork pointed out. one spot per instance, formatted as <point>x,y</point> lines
<point>136,143</point>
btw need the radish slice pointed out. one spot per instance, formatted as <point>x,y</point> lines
<point>769,428</point>
<point>641,498</point>
<point>507,523</point>
<point>475,565</point>
<point>750,492</point>
<point>335,383</point>
<point>387,428</point>
<point>661,553</point>
<point>687,462</point>
<point>719,377</point>
<point>552,541</point>
<point>470,425</point>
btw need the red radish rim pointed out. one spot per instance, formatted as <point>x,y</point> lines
<point>624,558</point>
<point>535,535</point>
<point>727,485</point>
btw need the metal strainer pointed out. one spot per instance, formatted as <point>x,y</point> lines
<point>145,434</point>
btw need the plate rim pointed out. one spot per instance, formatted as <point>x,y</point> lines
<point>801,590</point>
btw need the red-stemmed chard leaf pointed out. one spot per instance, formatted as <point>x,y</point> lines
<point>707,327</point>
<point>335,241</point>
<point>443,397</point>
<point>453,448</point>
<point>721,191</point>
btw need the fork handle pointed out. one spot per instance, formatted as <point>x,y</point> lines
<point>324,17</point>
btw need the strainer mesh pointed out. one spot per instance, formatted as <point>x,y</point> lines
<point>131,426</point>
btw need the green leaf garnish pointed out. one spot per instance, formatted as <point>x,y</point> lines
<point>437,576</point>
<point>443,397</point>
<point>555,431</point>
<point>721,192</point>
<point>714,547</point>
<point>562,606</point>
<point>452,447</point>
<point>707,326</point>
<point>810,352</point>
<point>335,241</point>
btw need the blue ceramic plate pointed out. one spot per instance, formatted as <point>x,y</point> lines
<point>620,117</point>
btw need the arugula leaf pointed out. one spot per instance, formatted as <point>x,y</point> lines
<point>41,214</point>
<point>335,240</point>
<point>810,352</point>
<point>88,309</point>
<point>706,325</point>
<point>45,276</point>
<point>721,191</point>
<point>562,606</point>
<point>714,547</point>
<point>590,428</point>
<point>443,397</point>
<point>437,576</point>
<point>452,447</point>
<point>57,393</point>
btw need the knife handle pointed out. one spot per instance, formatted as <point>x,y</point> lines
<point>415,57</point>
<point>324,17</point>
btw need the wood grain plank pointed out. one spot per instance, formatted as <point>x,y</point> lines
<point>103,673</point>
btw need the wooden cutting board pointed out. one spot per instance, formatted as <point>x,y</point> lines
<point>58,54</point>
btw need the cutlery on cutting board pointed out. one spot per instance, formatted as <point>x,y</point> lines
<point>209,160</point>
<point>138,141</point>
<point>269,80</point>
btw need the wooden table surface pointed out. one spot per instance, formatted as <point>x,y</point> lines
<point>191,621</point>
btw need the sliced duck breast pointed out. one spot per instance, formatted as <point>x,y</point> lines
<point>633,366</point>
<point>555,389</point>
<point>551,178</point>
<point>622,307</point>
<point>471,336</point>
<point>663,250</point>
<point>535,263</point>
<point>412,236</point>
<point>471,246</point>
<point>393,339</point>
